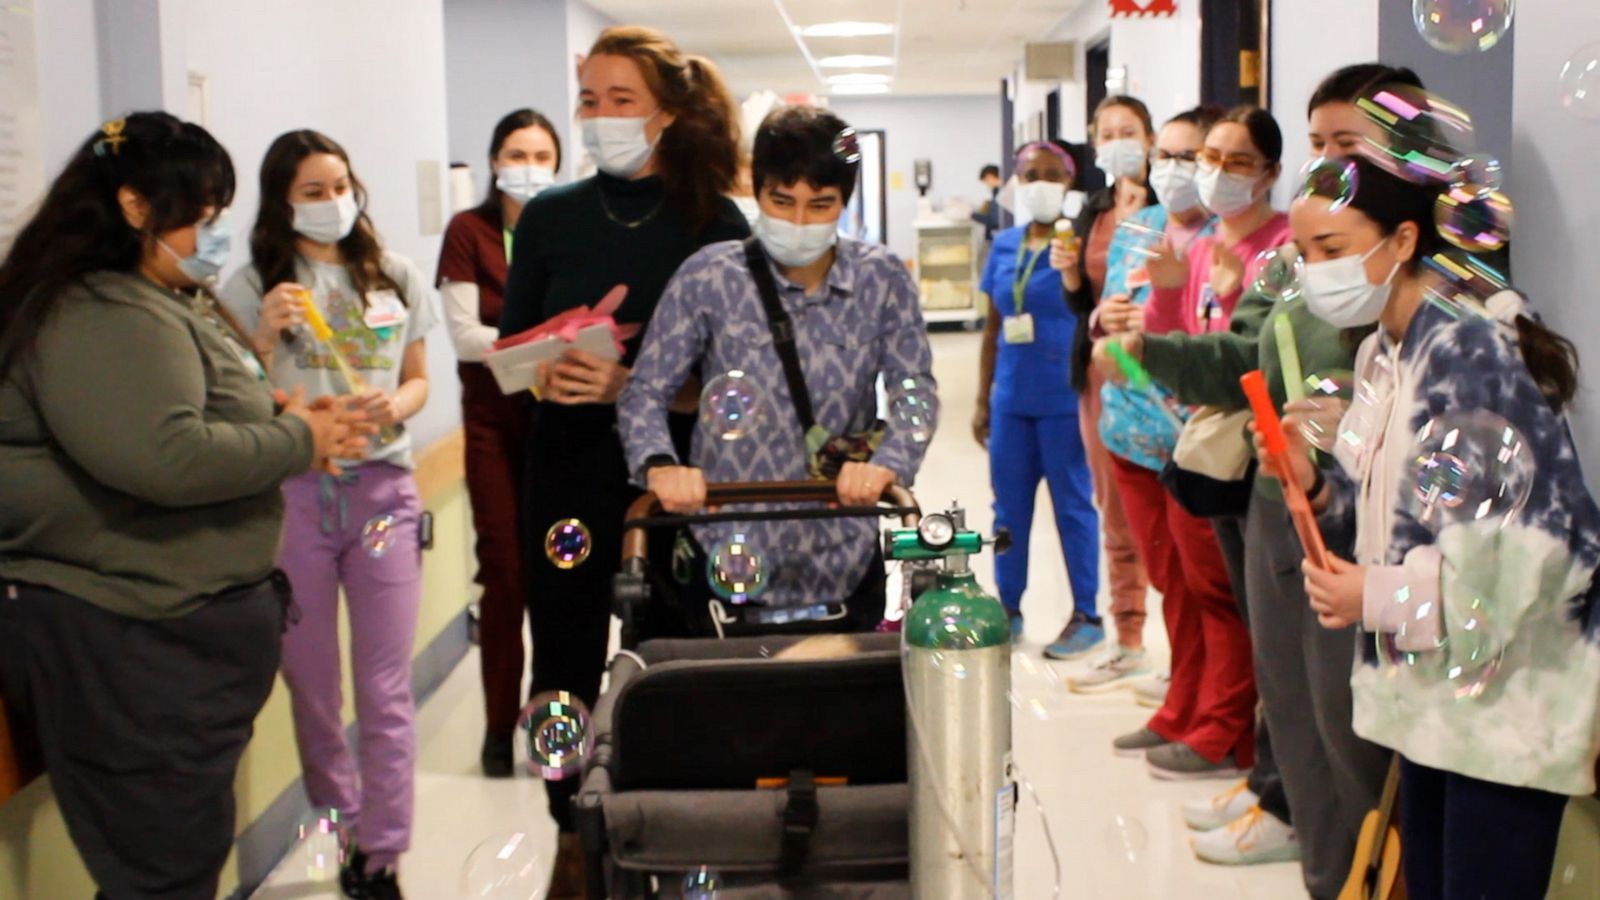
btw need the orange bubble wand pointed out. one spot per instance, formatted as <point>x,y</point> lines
<point>1277,460</point>
<point>352,379</point>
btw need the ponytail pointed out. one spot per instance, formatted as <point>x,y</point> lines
<point>698,154</point>
<point>1551,359</point>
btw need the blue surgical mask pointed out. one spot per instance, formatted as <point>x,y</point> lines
<point>213,242</point>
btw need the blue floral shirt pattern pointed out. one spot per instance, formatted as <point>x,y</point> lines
<point>1132,424</point>
<point>864,322</point>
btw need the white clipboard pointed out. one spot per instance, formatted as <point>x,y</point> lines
<point>516,368</point>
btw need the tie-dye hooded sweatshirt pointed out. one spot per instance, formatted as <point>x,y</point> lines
<point>1482,651</point>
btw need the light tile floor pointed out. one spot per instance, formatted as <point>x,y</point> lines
<point>1117,831</point>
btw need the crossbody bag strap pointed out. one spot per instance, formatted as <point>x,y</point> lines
<point>782,332</point>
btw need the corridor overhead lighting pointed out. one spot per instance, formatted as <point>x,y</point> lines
<point>845,29</point>
<point>859,78</point>
<point>855,61</point>
<point>840,89</point>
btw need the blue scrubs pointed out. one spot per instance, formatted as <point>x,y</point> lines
<point>1033,424</point>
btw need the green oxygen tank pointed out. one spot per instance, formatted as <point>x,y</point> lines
<point>957,643</point>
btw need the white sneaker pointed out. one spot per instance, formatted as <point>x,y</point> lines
<point>1254,838</point>
<point>1204,815</point>
<point>1153,692</point>
<point>1117,670</point>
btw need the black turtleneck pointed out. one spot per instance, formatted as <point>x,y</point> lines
<point>572,246</point>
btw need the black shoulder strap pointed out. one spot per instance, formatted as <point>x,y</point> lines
<point>800,817</point>
<point>782,331</point>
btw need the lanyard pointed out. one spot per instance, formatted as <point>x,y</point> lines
<point>505,234</point>
<point>1019,286</point>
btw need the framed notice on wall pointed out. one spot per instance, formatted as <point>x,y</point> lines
<point>21,150</point>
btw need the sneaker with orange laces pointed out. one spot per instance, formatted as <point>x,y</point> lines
<point>1215,812</point>
<point>1252,839</point>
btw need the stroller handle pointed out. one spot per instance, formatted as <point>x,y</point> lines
<point>635,539</point>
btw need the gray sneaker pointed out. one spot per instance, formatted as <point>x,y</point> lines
<point>1179,762</point>
<point>1152,693</point>
<point>1136,743</point>
<point>1117,670</point>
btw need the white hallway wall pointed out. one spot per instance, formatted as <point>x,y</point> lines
<point>1554,184</point>
<point>960,135</point>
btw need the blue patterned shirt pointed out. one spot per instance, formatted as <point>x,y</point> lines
<point>864,322</point>
<point>1132,426</point>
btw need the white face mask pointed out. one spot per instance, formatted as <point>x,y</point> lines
<point>618,144</point>
<point>1042,200</point>
<point>1174,182</point>
<point>1224,193</point>
<point>327,221</point>
<point>523,183</point>
<point>1121,158</point>
<point>750,208</point>
<point>795,245</point>
<point>1338,292</point>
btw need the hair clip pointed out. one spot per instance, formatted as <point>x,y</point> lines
<point>113,139</point>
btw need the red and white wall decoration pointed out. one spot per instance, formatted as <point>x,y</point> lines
<point>1143,8</point>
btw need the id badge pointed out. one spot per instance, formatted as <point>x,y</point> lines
<point>1019,328</point>
<point>384,310</point>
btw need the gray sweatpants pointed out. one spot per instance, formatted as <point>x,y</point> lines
<point>1332,777</point>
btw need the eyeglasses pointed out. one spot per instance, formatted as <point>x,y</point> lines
<point>1187,156</point>
<point>1232,163</point>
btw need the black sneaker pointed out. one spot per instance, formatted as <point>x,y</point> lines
<point>359,884</point>
<point>497,757</point>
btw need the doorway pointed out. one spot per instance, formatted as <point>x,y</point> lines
<point>1233,61</point>
<point>1096,66</point>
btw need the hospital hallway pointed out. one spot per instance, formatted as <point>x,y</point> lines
<point>1118,832</point>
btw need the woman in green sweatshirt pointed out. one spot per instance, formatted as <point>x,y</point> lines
<point>139,511</point>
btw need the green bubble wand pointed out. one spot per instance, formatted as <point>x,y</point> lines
<point>1139,379</point>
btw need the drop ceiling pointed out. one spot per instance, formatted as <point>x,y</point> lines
<point>939,47</point>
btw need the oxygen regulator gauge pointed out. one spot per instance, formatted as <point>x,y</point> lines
<point>936,532</point>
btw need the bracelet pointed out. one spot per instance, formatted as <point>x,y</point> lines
<point>660,460</point>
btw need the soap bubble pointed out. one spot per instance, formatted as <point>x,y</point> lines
<point>1580,82</point>
<point>1462,26</point>
<point>1475,650</point>
<point>553,735</point>
<point>702,885</point>
<point>1140,240</point>
<point>1462,283</point>
<point>1035,689</point>
<point>567,544</point>
<point>505,867</point>
<point>1421,135</point>
<point>847,146</point>
<point>1126,839</point>
<point>1327,397</point>
<point>1337,179</point>
<point>732,406</point>
<point>1468,468</point>
<point>378,536</point>
<point>1280,273</point>
<point>1363,421</point>
<point>912,403</point>
<point>1478,173</point>
<point>737,569</point>
<point>323,841</point>
<point>1475,220</point>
